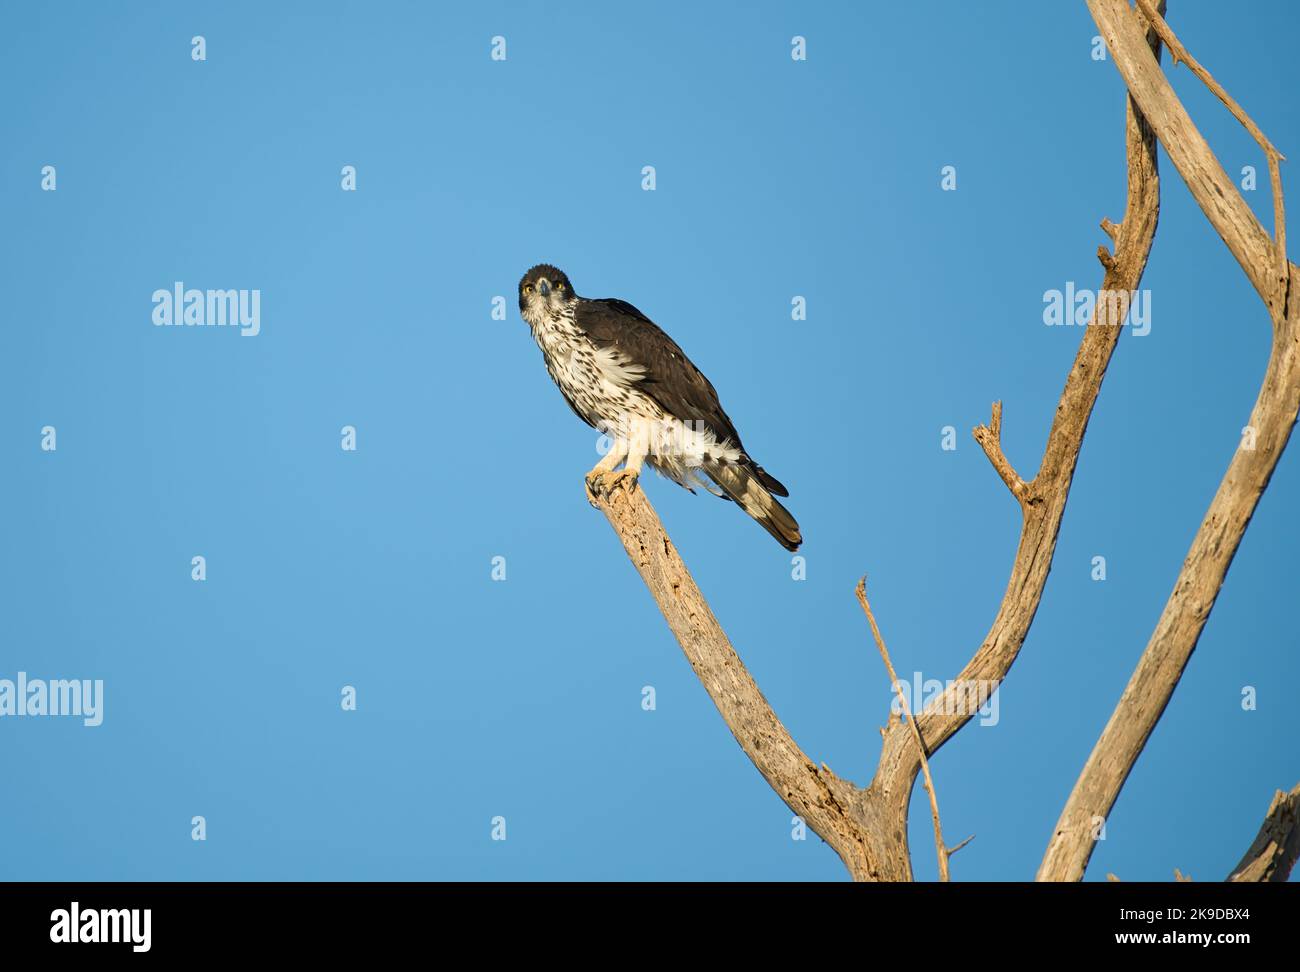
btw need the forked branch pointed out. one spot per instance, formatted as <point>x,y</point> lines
<point>1042,499</point>
<point>941,848</point>
<point>1271,420</point>
<point>868,827</point>
<point>816,794</point>
<point>1271,154</point>
<point>990,439</point>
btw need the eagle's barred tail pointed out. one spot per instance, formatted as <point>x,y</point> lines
<point>748,487</point>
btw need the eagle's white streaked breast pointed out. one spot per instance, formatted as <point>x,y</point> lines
<point>601,385</point>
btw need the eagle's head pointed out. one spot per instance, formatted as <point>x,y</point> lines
<point>543,292</point>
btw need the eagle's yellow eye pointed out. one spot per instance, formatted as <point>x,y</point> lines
<point>559,286</point>
<point>528,288</point>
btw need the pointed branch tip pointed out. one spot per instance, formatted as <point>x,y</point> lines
<point>990,439</point>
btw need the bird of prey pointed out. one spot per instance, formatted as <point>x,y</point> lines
<point>625,377</point>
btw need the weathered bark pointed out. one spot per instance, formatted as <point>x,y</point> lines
<point>822,799</point>
<point>1277,845</point>
<point>1206,565</point>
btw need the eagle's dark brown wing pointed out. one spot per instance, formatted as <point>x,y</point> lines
<point>669,377</point>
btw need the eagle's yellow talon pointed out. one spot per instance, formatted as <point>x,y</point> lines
<point>606,481</point>
<point>624,477</point>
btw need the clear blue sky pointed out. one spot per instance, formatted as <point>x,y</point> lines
<point>522,698</point>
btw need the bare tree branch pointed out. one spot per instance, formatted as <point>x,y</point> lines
<point>941,848</point>
<point>1274,157</point>
<point>1213,190</point>
<point>868,827</point>
<point>959,845</point>
<point>1277,845</point>
<point>990,439</point>
<point>1271,420</point>
<point>816,794</point>
<point>1043,499</point>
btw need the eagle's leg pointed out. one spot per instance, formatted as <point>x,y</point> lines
<point>616,454</point>
<point>631,450</point>
<point>638,447</point>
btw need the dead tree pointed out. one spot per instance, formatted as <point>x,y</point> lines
<point>867,826</point>
<point>1274,278</point>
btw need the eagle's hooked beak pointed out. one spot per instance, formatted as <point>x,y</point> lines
<point>544,287</point>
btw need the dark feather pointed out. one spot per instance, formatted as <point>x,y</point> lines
<point>671,378</point>
<point>744,486</point>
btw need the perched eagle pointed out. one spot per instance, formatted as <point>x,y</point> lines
<point>624,376</point>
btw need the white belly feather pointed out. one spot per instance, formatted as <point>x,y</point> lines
<point>602,385</point>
